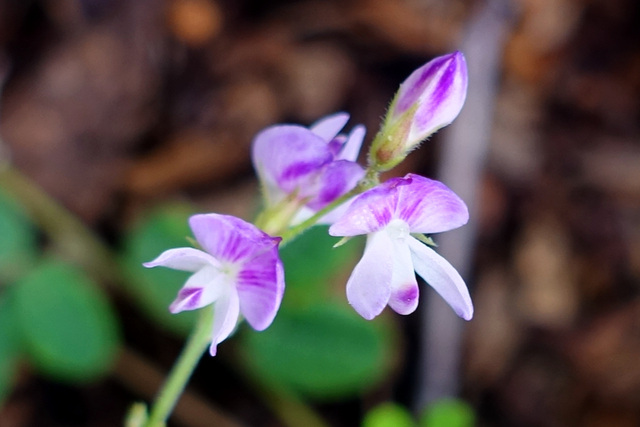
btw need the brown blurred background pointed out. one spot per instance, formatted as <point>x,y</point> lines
<point>112,105</point>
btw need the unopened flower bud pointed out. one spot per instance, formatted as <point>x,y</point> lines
<point>429,99</point>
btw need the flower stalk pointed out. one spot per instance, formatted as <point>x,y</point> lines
<point>179,375</point>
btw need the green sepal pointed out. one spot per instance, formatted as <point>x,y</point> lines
<point>425,239</point>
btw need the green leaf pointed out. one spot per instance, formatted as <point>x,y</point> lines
<point>9,345</point>
<point>388,414</point>
<point>311,265</point>
<point>18,245</point>
<point>68,327</point>
<point>448,413</point>
<point>324,352</point>
<point>155,288</point>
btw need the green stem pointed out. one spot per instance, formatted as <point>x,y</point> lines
<point>182,369</point>
<point>65,230</point>
<point>288,408</point>
<point>78,242</point>
<point>369,181</point>
<point>276,218</point>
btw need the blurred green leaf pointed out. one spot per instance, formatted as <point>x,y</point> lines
<point>324,352</point>
<point>9,345</point>
<point>155,288</point>
<point>18,245</point>
<point>311,263</point>
<point>388,414</point>
<point>68,327</point>
<point>448,413</point>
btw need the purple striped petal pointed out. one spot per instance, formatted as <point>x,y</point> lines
<point>369,287</point>
<point>228,238</point>
<point>225,317</point>
<point>429,206</point>
<point>328,127</point>
<point>201,289</point>
<point>336,179</point>
<point>370,211</point>
<point>439,88</point>
<point>285,155</point>
<point>187,299</point>
<point>440,107</point>
<point>404,287</point>
<point>260,286</point>
<point>442,277</point>
<point>184,259</point>
<point>418,83</point>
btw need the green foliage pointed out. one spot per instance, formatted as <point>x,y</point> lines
<point>311,264</point>
<point>18,248</point>
<point>388,414</point>
<point>448,413</point>
<point>317,347</point>
<point>324,352</point>
<point>67,326</point>
<point>155,288</point>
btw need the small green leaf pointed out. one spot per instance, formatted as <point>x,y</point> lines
<point>9,345</point>
<point>155,288</point>
<point>67,324</point>
<point>311,264</point>
<point>326,351</point>
<point>448,413</point>
<point>388,414</point>
<point>425,239</point>
<point>18,245</point>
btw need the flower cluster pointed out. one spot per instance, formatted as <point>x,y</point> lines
<point>306,170</point>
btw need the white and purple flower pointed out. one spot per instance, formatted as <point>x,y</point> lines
<point>429,99</point>
<point>388,214</point>
<point>314,165</point>
<point>438,89</point>
<point>239,272</point>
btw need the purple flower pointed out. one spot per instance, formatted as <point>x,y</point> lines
<point>429,99</point>
<point>314,165</point>
<point>239,272</point>
<point>388,214</point>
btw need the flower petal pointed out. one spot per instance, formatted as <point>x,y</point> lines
<point>336,179</point>
<point>229,238</point>
<point>225,317</point>
<point>328,127</point>
<point>185,259</point>
<point>442,103</point>
<point>442,277</point>
<point>370,211</point>
<point>351,147</point>
<point>369,287</point>
<point>201,289</point>
<point>285,154</point>
<point>260,288</point>
<point>439,89</point>
<point>404,287</point>
<point>429,206</point>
